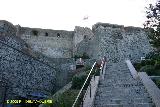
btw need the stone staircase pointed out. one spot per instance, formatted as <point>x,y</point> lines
<point>119,89</point>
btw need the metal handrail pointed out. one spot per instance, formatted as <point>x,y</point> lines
<point>83,85</point>
<point>86,91</point>
<point>102,66</point>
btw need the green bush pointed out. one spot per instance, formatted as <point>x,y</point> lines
<point>149,69</point>
<point>87,68</point>
<point>157,64</point>
<point>147,62</point>
<point>153,55</point>
<point>157,82</point>
<point>95,71</point>
<point>65,99</point>
<point>137,66</point>
<point>78,81</point>
<point>157,67</point>
<point>150,62</point>
<point>151,65</point>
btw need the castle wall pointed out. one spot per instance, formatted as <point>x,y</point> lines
<point>52,43</point>
<point>23,73</point>
<point>81,39</point>
<point>26,70</point>
<point>136,43</point>
<point>49,67</point>
<point>7,28</point>
<point>118,42</point>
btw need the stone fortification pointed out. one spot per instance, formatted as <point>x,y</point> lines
<point>23,73</point>
<point>7,28</point>
<point>118,42</point>
<point>115,41</point>
<point>52,43</point>
<point>81,39</point>
<point>33,57</point>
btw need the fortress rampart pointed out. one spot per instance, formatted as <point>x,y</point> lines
<point>19,48</point>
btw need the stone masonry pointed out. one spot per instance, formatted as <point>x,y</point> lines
<point>118,42</point>
<point>52,43</point>
<point>23,73</point>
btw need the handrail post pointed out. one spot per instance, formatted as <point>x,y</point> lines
<point>82,99</point>
<point>90,90</point>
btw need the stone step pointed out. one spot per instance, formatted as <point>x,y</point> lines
<point>119,89</point>
<point>126,105</point>
<point>122,93</point>
<point>122,88</point>
<point>118,77</point>
<point>107,94</point>
<point>119,83</point>
<point>124,100</point>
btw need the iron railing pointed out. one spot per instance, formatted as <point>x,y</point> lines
<point>81,96</point>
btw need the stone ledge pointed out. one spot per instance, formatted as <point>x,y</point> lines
<point>132,69</point>
<point>152,89</point>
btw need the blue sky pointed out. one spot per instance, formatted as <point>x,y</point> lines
<point>66,14</point>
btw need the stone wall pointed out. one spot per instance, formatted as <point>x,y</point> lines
<point>81,39</point>
<point>7,28</point>
<point>33,57</point>
<point>52,43</point>
<point>117,42</point>
<point>64,68</point>
<point>23,73</point>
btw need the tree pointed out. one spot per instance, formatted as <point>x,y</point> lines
<point>153,24</point>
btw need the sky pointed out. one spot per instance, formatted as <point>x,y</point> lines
<point>66,14</point>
